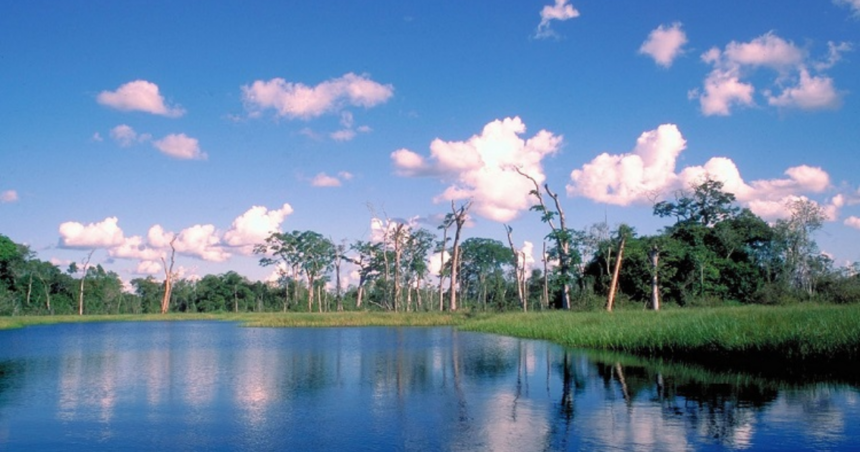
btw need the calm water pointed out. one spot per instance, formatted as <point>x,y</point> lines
<point>216,386</point>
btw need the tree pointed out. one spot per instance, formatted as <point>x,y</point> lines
<point>483,260</point>
<point>283,249</point>
<point>168,277</point>
<point>367,259</point>
<point>561,235</point>
<point>86,263</point>
<point>796,244</point>
<point>459,218</point>
<point>624,232</point>
<point>519,261</point>
<point>316,256</point>
<point>707,205</point>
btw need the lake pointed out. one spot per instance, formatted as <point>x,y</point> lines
<point>217,386</point>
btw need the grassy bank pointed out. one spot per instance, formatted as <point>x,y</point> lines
<point>801,333</point>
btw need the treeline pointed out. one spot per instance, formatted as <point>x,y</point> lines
<point>715,253</point>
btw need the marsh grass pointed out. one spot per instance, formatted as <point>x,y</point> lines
<point>793,333</point>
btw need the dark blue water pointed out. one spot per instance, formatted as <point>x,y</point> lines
<point>214,386</point>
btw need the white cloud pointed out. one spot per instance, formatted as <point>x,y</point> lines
<point>343,135</point>
<point>148,268</point>
<point>560,11</point>
<point>811,93</point>
<point>345,175</point>
<point>296,100</point>
<point>104,234</point>
<point>664,44</point>
<point>201,241</point>
<point>324,180</point>
<point>254,226</point>
<point>134,248</point>
<point>854,5</point>
<point>629,178</point>
<point>125,136</point>
<point>482,167</point>
<point>727,84</point>
<point>180,146</point>
<point>649,172</point>
<point>139,95</point>
<point>97,137</point>
<point>8,196</point>
<point>853,222</point>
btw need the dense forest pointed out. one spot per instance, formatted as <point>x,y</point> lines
<point>715,253</point>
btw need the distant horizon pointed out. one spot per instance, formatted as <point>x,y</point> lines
<point>126,125</point>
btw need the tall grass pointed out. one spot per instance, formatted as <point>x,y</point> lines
<point>799,333</point>
<point>795,333</point>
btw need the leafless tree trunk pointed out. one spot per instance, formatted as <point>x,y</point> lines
<point>459,220</point>
<point>338,256</point>
<point>654,257</point>
<point>614,284</point>
<point>445,225</point>
<point>519,269</point>
<point>545,295</point>
<point>86,263</point>
<point>399,230</point>
<point>168,278</point>
<point>561,235</point>
<point>47,293</point>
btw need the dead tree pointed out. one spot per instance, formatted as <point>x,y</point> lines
<point>654,257</point>
<point>519,269</point>
<point>459,216</point>
<point>86,263</point>
<point>168,277</point>
<point>560,234</point>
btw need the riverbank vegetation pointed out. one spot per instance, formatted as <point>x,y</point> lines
<point>715,254</point>
<point>807,334</point>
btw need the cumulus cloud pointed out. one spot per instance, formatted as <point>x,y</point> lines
<point>148,268</point>
<point>139,95</point>
<point>8,196</point>
<point>134,248</point>
<point>793,86</point>
<point>853,222</point>
<point>201,240</point>
<point>254,226</point>
<point>126,136</point>
<point>810,93</point>
<point>482,167</point>
<point>561,11</point>
<point>664,44</point>
<point>180,146</point>
<point>296,100</point>
<point>623,179</point>
<point>650,171</point>
<point>104,234</point>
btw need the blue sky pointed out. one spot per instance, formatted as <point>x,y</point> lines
<point>124,124</point>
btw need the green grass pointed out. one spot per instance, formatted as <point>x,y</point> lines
<point>795,333</point>
<point>799,333</point>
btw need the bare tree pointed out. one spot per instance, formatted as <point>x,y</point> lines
<point>86,263</point>
<point>561,235</point>
<point>168,277</point>
<point>654,258</point>
<point>459,216</point>
<point>519,269</point>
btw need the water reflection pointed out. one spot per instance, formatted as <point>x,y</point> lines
<point>215,386</point>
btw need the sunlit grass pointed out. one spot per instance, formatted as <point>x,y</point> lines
<point>793,333</point>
